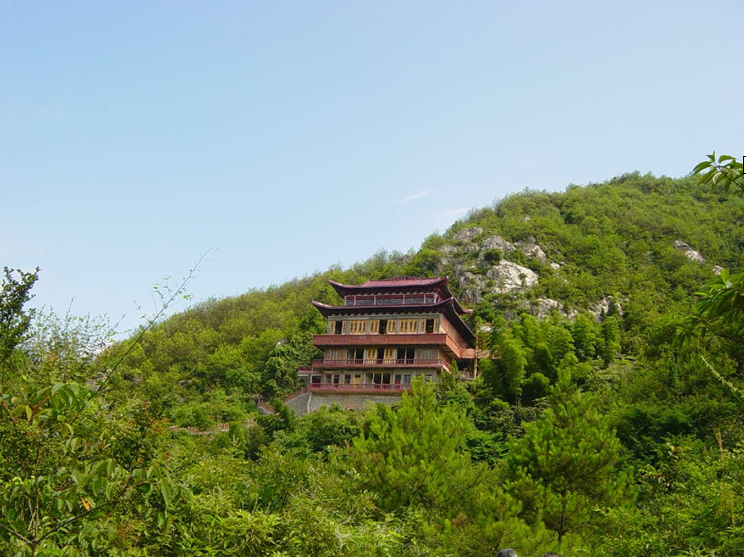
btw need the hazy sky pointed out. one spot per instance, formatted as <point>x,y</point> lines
<point>291,136</point>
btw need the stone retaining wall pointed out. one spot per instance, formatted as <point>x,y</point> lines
<point>311,402</point>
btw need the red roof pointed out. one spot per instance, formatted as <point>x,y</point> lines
<point>400,284</point>
<point>404,281</point>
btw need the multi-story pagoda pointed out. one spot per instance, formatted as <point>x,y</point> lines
<point>387,333</point>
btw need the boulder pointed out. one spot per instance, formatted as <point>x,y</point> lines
<point>448,249</point>
<point>695,256</point>
<point>689,252</point>
<point>472,288</point>
<point>531,250</point>
<point>541,307</point>
<point>509,276</point>
<point>602,308</point>
<point>467,234</point>
<point>503,278</point>
<point>496,242</point>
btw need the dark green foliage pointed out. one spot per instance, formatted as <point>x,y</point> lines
<point>611,336</point>
<point>415,455</point>
<point>280,373</point>
<point>493,256</point>
<point>563,468</point>
<point>536,386</point>
<point>329,427</point>
<point>14,319</point>
<point>523,456</point>
<point>724,171</point>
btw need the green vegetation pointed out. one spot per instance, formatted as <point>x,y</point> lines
<point>609,423</point>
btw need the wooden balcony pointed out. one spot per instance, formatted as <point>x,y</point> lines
<point>392,300</point>
<point>377,363</point>
<point>368,389</point>
<point>403,339</point>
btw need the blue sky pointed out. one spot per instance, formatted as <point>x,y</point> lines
<point>295,135</point>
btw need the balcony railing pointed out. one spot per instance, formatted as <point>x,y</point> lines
<point>395,387</point>
<point>382,362</point>
<point>458,348</point>
<point>391,300</point>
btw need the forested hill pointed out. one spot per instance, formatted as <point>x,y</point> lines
<point>607,419</point>
<point>637,243</point>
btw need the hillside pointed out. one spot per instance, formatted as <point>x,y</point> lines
<point>640,243</point>
<point>596,425</point>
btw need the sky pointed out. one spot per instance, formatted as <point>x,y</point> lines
<point>285,137</point>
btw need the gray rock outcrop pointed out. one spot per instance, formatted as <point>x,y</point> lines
<point>541,307</point>
<point>531,250</point>
<point>689,252</point>
<point>602,308</point>
<point>467,234</point>
<point>502,278</point>
<point>496,242</point>
<point>510,276</point>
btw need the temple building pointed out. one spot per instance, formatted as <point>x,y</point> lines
<point>387,333</point>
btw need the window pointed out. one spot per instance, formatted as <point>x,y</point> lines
<point>373,327</point>
<point>316,380</point>
<point>357,327</point>
<point>408,326</point>
<point>427,354</point>
<point>382,324</point>
<point>407,379</point>
<point>337,327</point>
<point>405,355</point>
<point>335,379</point>
<point>355,354</point>
<point>428,378</point>
<point>429,325</point>
<point>397,379</point>
<point>348,378</point>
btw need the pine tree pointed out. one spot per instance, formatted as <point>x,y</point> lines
<point>513,366</point>
<point>584,337</point>
<point>415,455</point>
<point>564,466</point>
<point>610,331</point>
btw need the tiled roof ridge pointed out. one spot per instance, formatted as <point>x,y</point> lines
<point>395,282</point>
<point>404,279</point>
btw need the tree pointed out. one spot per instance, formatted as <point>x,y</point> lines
<point>416,455</point>
<point>14,320</point>
<point>280,373</point>
<point>719,311</point>
<point>564,466</point>
<point>328,427</point>
<point>77,469</point>
<point>513,364</point>
<point>723,171</point>
<point>610,333</point>
<point>73,473</point>
<point>584,336</point>
<point>536,386</point>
